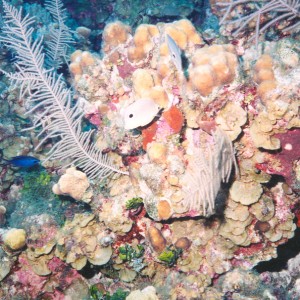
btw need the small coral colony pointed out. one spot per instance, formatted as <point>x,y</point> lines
<point>165,166</point>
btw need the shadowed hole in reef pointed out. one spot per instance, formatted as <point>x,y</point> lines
<point>275,179</point>
<point>284,253</point>
<point>90,270</point>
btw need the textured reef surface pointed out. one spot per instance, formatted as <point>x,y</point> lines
<point>169,156</point>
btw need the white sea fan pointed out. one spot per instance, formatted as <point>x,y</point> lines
<point>205,173</point>
<point>60,36</point>
<point>50,101</point>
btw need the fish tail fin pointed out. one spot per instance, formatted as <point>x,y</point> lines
<point>2,156</point>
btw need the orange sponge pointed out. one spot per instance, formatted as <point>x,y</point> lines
<point>174,118</point>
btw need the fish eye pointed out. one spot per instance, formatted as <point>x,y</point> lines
<point>131,115</point>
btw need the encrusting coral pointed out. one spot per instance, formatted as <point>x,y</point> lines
<point>231,118</point>
<point>77,242</point>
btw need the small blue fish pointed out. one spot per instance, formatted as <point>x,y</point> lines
<point>21,161</point>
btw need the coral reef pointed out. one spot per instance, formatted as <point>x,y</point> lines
<point>196,181</point>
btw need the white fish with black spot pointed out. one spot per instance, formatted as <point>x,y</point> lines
<point>140,113</point>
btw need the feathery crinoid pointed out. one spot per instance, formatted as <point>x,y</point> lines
<point>49,100</point>
<point>287,12</point>
<point>205,173</point>
<point>60,36</point>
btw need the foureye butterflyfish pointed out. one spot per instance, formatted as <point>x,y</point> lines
<point>140,113</point>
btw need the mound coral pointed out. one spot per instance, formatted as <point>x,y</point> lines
<point>15,239</point>
<point>114,34</point>
<point>142,42</point>
<point>74,183</point>
<point>212,67</point>
<point>264,77</point>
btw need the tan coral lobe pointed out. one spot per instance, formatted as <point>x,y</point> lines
<point>74,183</point>
<point>156,239</point>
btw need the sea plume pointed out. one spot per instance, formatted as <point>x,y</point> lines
<point>48,98</point>
<point>60,37</point>
<point>280,10</point>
